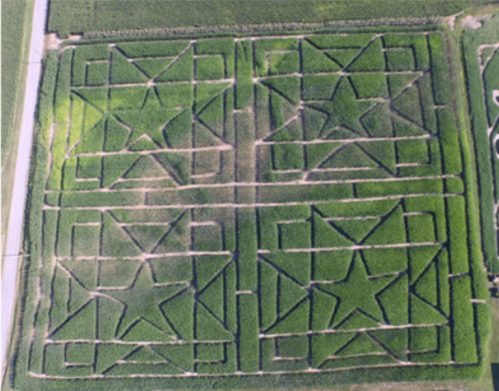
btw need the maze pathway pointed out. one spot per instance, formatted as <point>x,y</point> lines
<point>230,208</point>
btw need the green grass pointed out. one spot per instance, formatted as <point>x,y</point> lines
<point>180,70</point>
<point>288,157</point>
<point>15,32</point>
<point>244,89</point>
<point>84,54</point>
<point>370,60</point>
<point>79,16</point>
<point>413,151</point>
<point>16,29</point>
<point>443,93</point>
<point>89,167</point>
<point>209,68</point>
<point>223,47</point>
<point>98,74</point>
<point>400,48</point>
<point>319,86</point>
<point>464,346</point>
<point>483,148</point>
<point>400,60</point>
<point>283,63</point>
<point>370,86</point>
<point>424,339</point>
<point>407,187</point>
<point>153,49</point>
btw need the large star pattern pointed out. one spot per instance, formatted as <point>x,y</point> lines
<point>142,300</point>
<point>343,109</point>
<point>358,291</point>
<point>148,121</point>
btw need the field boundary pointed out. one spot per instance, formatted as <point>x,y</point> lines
<point>475,43</point>
<point>255,155</point>
<point>79,17</point>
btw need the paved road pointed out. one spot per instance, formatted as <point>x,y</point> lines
<point>11,263</point>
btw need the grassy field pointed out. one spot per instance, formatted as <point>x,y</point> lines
<point>76,16</point>
<point>16,29</point>
<point>482,66</point>
<point>203,213</point>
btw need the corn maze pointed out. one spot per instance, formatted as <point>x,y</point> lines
<point>252,211</point>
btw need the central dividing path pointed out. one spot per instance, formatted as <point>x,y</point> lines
<point>21,176</point>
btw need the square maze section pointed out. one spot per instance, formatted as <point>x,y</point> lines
<point>249,210</point>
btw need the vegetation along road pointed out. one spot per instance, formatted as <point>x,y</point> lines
<point>21,174</point>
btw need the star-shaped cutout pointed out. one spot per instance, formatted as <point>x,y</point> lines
<point>343,109</point>
<point>357,291</point>
<point>143,300</point>
<point>148,121</point>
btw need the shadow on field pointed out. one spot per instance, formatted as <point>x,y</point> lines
<point>495,376</point>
